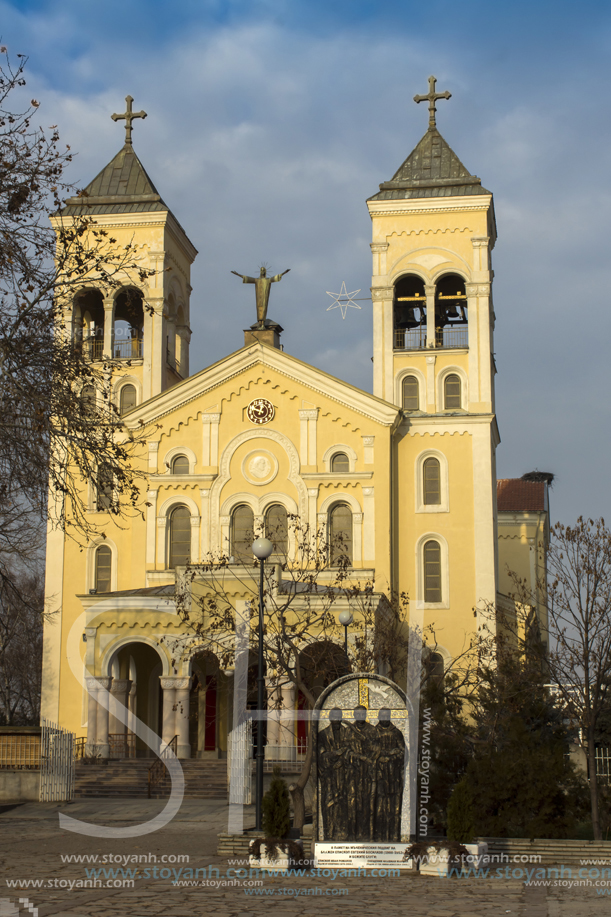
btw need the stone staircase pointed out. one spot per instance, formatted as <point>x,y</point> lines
<point>204,779</point>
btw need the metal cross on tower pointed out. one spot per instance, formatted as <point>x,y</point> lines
<point>432,97</point>
<point>129,117</point>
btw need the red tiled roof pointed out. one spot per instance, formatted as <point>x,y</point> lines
<point>515,495</point>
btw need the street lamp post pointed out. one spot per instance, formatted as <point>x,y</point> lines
<point>346,618</point>
<point>261,548</point>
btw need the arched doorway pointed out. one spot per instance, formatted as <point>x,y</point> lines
<point>134,671</point>
<point>321,663</point>
<point>208,703</point>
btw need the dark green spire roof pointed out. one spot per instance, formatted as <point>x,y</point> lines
<point>123,186</point>
<point>432,169</point>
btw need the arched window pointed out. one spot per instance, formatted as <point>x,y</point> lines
<point>103,568</point>
<point>88,398</point>
<point>451,392</point>
<point>435,667</point>
<point>127,399</point>
<point>411,394</point>
<point>276,528</point>
<point>432,571</point>
<point>340,462</point>
<point>104,498</point>
<point>431,481</point>
<point>340,533</point>
<point>242,533</point>
<point>180,465</point>
<point>180,537</point>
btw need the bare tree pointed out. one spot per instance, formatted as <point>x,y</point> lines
<point>54,436</point>
<point>303,595</point>
<point>21,622</point>
<point>578,611</point>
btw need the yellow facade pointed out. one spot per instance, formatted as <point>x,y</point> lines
<point>418,480</point>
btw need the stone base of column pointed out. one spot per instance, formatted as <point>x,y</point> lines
<point>102,751</point>
<point>183,751</point>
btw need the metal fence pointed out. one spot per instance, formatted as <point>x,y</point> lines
<point>56,763</point>
<point>20,751</point>
<point>603,763</point>
<point>122,745</point>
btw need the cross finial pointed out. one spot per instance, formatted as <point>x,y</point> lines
<point>129,117</point>
<point>432,97</point>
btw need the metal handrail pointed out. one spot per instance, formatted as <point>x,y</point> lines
<point>157,768</point>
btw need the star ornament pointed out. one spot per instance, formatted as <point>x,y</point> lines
<point>343,300</point>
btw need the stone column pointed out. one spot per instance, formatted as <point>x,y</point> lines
<point>118,698</point>
<point>168,719</point>
<point>109,313</point>
<point>182,716</point>
<point>92,715</point>
<point>429,289</point>
<point>102,747</point>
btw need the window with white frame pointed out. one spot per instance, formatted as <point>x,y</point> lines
<point>179,537</point>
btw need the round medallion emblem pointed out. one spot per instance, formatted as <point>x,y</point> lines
<point>260,411</point>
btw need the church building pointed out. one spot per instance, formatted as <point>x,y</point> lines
<point>405,476</point>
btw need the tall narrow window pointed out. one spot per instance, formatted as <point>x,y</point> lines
<point>105,488</point>
<point>432,572</point>
<point>242,533</point>
<point>435,667</point>
<point>180,465</point>
<point>451,392</point>
<point>340,462</point>
<point>276,528</point>
<point>180,537</point>
<point>103,568</point>
<point>411,396</point>
<point>88,399</point>
<point>431,481</point>
<point>340,533</point>
<point>128,398</point>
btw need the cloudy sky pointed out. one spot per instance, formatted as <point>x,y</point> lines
<point>271,121</point>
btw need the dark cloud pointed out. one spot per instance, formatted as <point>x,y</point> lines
<point>267,133</point>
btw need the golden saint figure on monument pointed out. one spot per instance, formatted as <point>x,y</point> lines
<point>262,287</point>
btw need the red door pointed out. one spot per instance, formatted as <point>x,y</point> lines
<point>210,724</point>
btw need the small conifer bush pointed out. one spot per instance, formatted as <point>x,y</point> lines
<point>275,808</point>
<point>461,823</point>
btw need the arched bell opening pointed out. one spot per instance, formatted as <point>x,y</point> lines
<point>88,323</point>
<point>409,313</point>
<point>451,312</point>
<point>128,325</point>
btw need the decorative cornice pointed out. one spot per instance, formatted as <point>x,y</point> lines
<point>378,247</point>
<point>378,293</point>
<point>477,289</point>
<point>339,477</point>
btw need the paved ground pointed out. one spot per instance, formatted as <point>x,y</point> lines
<point>34,849</point>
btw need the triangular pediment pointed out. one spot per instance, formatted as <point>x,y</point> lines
<point>202,386</point>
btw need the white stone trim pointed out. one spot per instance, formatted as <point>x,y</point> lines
<point>172,454</point>
<point>117,644</point>
<point>210,439</point>
<point>411,371</point>
<point>369,533</point>
<point>445,572</point>
<point>464,387</point>
<point>444,505</point>
<point>333,450</point>
<point>151,515</point>
<point>368,449</point>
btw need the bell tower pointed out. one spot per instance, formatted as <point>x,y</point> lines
<point>433,231</point>
<point>141,321</point>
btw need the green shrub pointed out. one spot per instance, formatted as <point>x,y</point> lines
<point>275,808</point>
<point>461,825</point>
